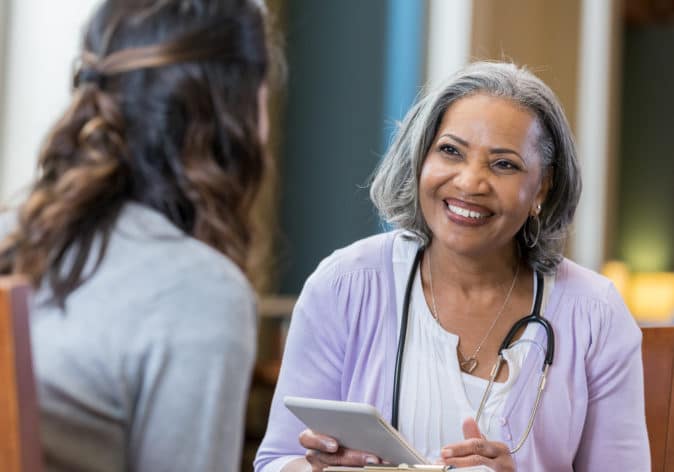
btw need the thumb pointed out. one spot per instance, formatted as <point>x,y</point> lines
<point>471,429</point>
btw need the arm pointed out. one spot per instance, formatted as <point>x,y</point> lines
<point>191,368</point>
<point>313,366</point>
<point>614,435</point>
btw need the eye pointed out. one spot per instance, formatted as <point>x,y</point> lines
<point>449,150</point>
<point>505,165</point>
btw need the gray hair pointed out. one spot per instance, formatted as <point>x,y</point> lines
<point>395,184</point>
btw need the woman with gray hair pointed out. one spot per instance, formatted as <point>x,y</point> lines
<point>481,184</point>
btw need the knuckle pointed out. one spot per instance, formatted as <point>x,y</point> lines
<point>503,448</point>
<point>351,457</point>
<point>478,445</point>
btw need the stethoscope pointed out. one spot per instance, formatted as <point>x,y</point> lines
<point>534,317</point>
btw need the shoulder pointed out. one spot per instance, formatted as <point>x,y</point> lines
<point>153,245</point>
<point>206,304</point>
<point>371,254</point>
<point>203,287</point>
<point>577,281</point>
<point>351,281</point>
<point>589,305</point>
<point>154,275</point>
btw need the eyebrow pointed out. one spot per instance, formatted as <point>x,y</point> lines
<point>465,143</point>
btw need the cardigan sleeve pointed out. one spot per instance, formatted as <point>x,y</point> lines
<point>311,367</point>
<point>614,435</point>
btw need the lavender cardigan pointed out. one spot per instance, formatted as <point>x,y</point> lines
<point>342,345</point>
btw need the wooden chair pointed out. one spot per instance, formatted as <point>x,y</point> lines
<point>19,429</point>
<point>658,355</point>
<point>274,313</point>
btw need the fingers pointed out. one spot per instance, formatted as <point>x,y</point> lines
<point>474,452</point>
<point>477,450</point>
<point>470,461</point>
<point>471,429</point>
<point>475,446</point>
<point>344,457</point>
<point>319,442</point>
<point>323,451</point>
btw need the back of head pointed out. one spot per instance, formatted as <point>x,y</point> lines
<point>394,189</point>
<point>165,113</point>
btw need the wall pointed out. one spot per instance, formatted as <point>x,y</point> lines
<point>42,39</point>
<point>337,121</point>
<point>645,237</point>
<point>4,26</point>
<point>543,35</point>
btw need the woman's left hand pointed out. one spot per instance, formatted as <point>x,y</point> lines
<point>477,450</point>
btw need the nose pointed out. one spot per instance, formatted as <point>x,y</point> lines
<point>472,178</point>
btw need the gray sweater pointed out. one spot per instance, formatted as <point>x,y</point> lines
<point>148,367</point>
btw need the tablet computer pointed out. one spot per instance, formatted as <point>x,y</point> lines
<point>355,426</point>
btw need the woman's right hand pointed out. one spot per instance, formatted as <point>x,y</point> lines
<point>323,451</point>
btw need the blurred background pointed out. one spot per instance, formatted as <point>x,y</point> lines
<point>354,68</point>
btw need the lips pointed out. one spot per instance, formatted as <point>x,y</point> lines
<point>464,212</point>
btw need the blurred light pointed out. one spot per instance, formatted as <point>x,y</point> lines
<point>647,248</point>
<point>648,295</point>
<point>651,296</point>
<point>619,274</point>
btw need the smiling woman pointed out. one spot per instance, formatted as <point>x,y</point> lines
<point>482,183</point>
<point>483,176</point>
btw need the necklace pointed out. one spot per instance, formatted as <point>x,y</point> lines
<point>468,364</point>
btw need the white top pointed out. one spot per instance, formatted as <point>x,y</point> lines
<point>435,395</point>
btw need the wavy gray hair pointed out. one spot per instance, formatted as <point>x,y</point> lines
<point>395,184</point>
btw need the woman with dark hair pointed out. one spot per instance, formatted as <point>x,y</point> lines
<point>466,327</point>
<point>136,236</point>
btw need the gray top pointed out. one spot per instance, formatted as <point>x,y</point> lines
<point>148,368</point>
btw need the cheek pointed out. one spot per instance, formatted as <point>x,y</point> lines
<point>429,182</point>
<point>431,177</point>
<point>522,198</point>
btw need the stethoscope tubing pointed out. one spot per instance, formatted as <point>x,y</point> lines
<point>401,339</point>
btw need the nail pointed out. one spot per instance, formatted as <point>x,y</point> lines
<point>447,453</point>
<point>330,445</point>
<point>371,460</point>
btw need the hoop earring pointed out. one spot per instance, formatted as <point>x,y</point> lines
<point>525,234</point>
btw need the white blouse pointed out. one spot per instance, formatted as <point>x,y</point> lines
<point>435,395</point>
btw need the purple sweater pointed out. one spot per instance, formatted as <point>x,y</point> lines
<point>342,344</point>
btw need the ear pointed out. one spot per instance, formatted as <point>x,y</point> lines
<point>546,184</point>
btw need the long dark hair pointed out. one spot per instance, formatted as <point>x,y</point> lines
<point>164,113</point>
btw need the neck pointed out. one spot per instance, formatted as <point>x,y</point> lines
<point>469,273</point>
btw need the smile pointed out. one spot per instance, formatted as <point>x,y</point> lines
<point>457,210</point>
<point>467,214</point>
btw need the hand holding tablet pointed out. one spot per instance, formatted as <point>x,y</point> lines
<point>355,426</point>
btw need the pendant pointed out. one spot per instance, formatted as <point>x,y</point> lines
<point>469,365</point>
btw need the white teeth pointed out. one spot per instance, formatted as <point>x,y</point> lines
<point>464,212</point>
